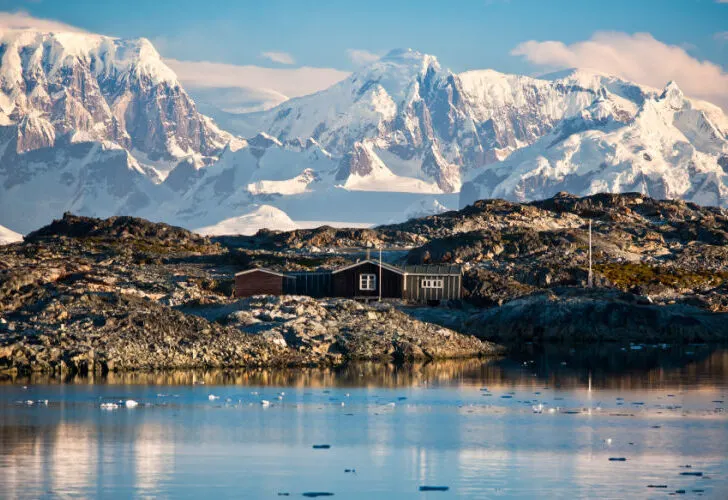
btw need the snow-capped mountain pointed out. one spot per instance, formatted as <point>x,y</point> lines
<point>669,147</point>
<point>101,126</point>
<point>83,87</point>
<point>89,124</point>
<point>420,121</point>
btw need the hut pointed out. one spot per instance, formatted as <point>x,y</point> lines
<point>261,281</point>
<point>429,284</point>
<point>368,279</point>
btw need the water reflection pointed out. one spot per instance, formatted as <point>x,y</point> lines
<point>610,367</point>
<point>399,426</point>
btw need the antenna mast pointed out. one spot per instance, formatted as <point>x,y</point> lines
<point>590,279</point>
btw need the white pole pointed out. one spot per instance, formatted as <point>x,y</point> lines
<point>380,274</point>
<point>590,279</point>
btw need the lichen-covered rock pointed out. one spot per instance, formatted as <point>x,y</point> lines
<point>341,329</point>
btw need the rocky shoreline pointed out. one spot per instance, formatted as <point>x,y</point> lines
<point>90,295</point>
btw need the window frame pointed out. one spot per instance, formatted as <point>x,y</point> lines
<point>432,283</point>
<point>367,282</point>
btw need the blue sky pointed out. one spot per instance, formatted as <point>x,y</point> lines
<point>463,34</point>
<point>466,34</point>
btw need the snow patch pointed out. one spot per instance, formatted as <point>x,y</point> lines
<point>7,236</point>
<point>263,217</point>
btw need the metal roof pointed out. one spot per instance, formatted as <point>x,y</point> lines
<point>308,273</point>
<point>370,261</point>
<point>262,270</point>
<point>434,269</point>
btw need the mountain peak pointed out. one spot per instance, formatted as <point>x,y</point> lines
<point>673,95</point>
<point>108,55</point>
<point>409,57</point>
<point>671,88</point>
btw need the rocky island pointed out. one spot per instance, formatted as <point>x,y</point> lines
<point>84,294</point>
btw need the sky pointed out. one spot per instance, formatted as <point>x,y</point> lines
<point>292,47</point>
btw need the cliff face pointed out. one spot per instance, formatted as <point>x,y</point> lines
<point>91,87</point>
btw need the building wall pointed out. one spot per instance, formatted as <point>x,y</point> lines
<point>415,293</point>
<point>313,284</point>
<point>346,283</point>
<point>258,283</point>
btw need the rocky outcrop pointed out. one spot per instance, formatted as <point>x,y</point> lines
<point>89,295</point>
<point>341,329</point>
<point>83,331</point>
<point>582,316</point>
<point>120,228</point>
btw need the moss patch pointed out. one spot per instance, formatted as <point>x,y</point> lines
<point>628,275</point>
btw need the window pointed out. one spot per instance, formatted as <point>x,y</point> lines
<point>368,282</point>
<point>432,282</point>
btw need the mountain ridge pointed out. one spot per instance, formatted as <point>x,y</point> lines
<point>100,126</point>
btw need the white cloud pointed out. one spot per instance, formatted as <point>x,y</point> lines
<point>639,57</point>
<point>721,36</point>
<point>21,20</point>
<point>279,57</point>
<point>360,57</point>
<point>291,82</point>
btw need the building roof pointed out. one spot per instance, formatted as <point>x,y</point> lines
<point>434,269</point>
<point>263,270</point>
<point>384,265</point>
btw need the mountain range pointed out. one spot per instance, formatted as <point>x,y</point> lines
<point>101,126</point>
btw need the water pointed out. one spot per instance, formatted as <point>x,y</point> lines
<point>546,426</point>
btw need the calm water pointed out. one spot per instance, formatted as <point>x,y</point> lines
<point>535,425</point>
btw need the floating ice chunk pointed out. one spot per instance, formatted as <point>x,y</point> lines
<point>130,403</point>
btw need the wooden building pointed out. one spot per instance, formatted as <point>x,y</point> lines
<point>365,280</point>
<point>427,284</point>
<point>261,281</point>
